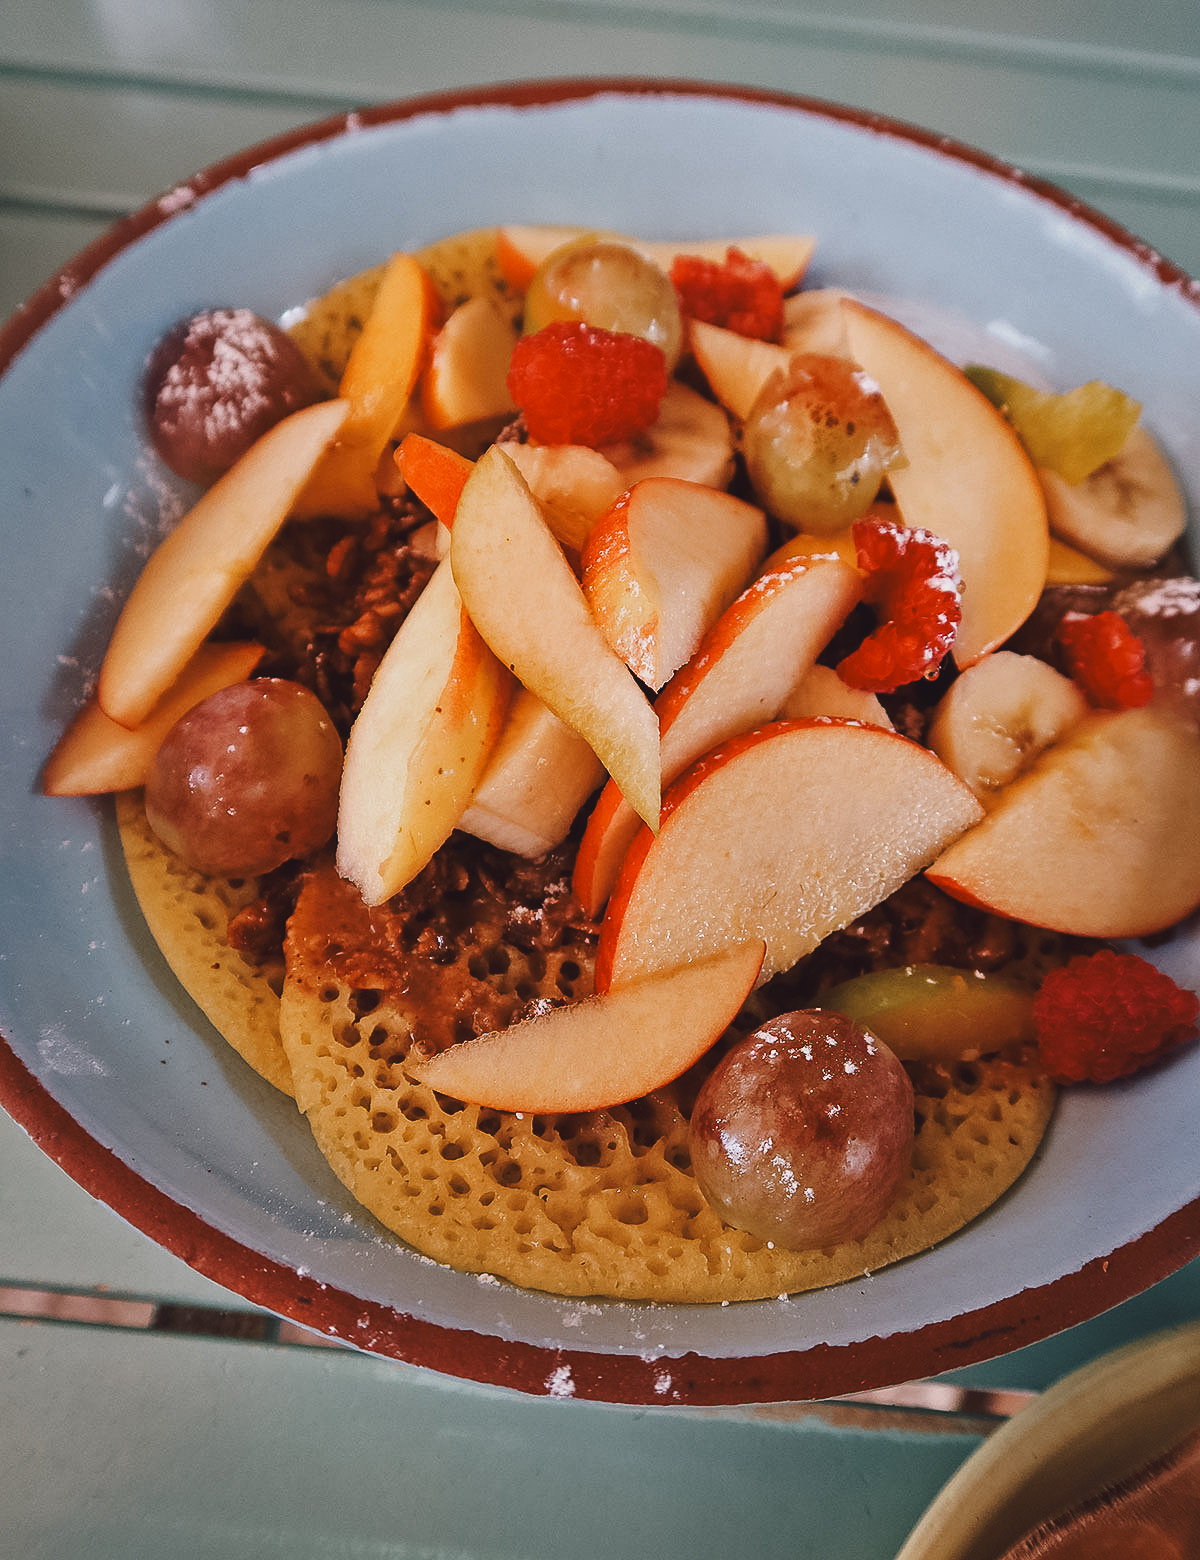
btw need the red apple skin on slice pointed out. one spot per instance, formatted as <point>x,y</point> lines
<point>748,664</point>
<point>787,833</point>
<point>95,756</point>
<point>602,1050</point>
<point>527,604</point>
<point>663,564</point>
<point>968,479</point>
<point>1098,839</point>
<point>420,744</point>
<point>193,575</point>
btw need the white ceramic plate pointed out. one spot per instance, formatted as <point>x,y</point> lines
<point>1091,1430</point>
<point>108,1064</point>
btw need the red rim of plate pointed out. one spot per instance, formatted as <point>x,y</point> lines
<point>818,1371</point>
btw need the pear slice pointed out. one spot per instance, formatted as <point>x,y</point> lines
<point>527,604</point>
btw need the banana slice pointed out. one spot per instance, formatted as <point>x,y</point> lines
<point>999,715</point>
<point>1127,513</point>
<point>692,439</point>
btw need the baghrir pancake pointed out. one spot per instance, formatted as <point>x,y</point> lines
<point>597,1205</point>
<point>602,1204</point>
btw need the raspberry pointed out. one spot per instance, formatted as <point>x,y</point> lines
<point>913,577</point>
<point>1105,1015</point>
<point>1107,659</point>
<point>578,384</point>
<point>741,294</point>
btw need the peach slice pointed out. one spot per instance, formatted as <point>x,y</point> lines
<point>968,478</point>
<point>464,380</point>
<point>378,381</point>
<point>420,744</point>
<point>663,564</point>
<point>744,670</point>
<point>95,755</point>
<point>526,602</point>
<point>538,776</point>
<point>1098,839</point>
<point>787,833</point>
<point>602,1050</point>
<point>196,571</point>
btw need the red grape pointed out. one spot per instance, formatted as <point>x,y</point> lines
<point>217,382</point>
<point>802,1133</point>
<point>247,779</point>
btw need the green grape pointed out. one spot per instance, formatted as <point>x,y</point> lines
<point>817,442</point>
<point>609,285</point>
<point>931,1012</point>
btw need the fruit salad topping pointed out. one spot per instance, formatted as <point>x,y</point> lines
<point>485,635</point>
<point>1106,1015</point>
<point>580,384</point>
<point>737,293</point>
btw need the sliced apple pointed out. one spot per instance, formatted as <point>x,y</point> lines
<point>602,1050</point>
<point>1098,839</point>
<point>193,575</point>
<point>968,478</point>
<point>378,382</point>
<point>538,776</point>
<point>526,602</point>
<point>787,833</point>
<point>663,564</point>
<point>95,755</point>
<point>420,744</point>
<point>465,378</point>
<point>736,367</point>
<point>691,440</point>
<point>745,668</point>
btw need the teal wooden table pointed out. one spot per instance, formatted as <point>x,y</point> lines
<point>177,1420</point>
